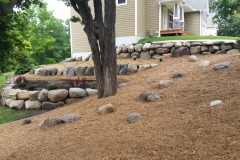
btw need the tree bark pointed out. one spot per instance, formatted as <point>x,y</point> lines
<point>101,38</point>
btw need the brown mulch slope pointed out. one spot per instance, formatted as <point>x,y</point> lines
<point>180,125</point>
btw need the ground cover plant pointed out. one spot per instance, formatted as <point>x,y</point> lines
<point>4,77</point>
<point>173,38</point>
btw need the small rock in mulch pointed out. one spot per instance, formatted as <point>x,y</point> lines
<point>204,63</point>
<point>143,96</point>
<point>148,82</point>
<point>152,97</point>
<point>192,58</point>
<point>132,117</point>
<point>26,121</point>
<point>222,65</point>
<point>106,109</point>
<point>69,118</point>
<point>213,103</point>
<point>178,74</point>
<point>122,85</point>
<point>165,83</point>
<point>49,122</point>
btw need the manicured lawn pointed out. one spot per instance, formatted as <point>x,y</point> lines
<point>4,77</point>
<point>174,38</point>
<point>9,115</point>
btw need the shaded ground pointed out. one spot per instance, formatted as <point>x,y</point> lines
<point>181,125</point>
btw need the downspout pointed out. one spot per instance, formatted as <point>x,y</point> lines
<point>160,18</point>
<point>200,22</point>
<point>136,16</point>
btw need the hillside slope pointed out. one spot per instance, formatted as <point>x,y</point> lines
<point>180,125</point>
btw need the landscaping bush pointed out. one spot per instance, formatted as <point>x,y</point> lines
<point>31,87</point>
<point>238,43</point>
<point>22,69</point>
<point>22,84</point>
<point>52,87</point>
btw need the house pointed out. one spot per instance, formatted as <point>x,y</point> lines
<point>136,19</point>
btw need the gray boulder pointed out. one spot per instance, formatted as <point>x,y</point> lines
<point>33,96</point>
<point>46,72</point>
<point>69,100</point>
<point>7,101</point>
<point>51,105</point>
<point>181,51</point>
<point>165,83</point>
<point>218,43</point>
<point>37,71</point>
<point>145,54</point>
<point>54,71</point>
<point>57,95</point>
<point>146,46</point>
<point>91,91</point>
<point>23,95</point>
<point>161,50</point>
<point>69,118</point>
<point>167,45</point>
<point>71,71</point>
<point>172,50</point>
<point>125,49</point>
<point>155,46</point>
<point>138,47</point>
<point>156,56</point>
<point>79,70</point>
<point>226,46</point>
<point>122,85</point>
<point>187,44</point>
<point>89,71</point>
<point>232,51</point>
<point>213,49</point>
<point>143,96</point>
<point>59,71</point>
<point>124,56</point>
<point>70,59</point>
<point>208,43</point>
<point>43,95</point>
<point>151,52</point>
<point>77,93</point>
<point>151,98</point>
<point>195,50</point>
<point>33,104</point>
<point>144,67</point>
<point>133,117</point>
<point>3,101</point>
<point>178,44</point>
<point>206,53</point>
<point>119,49</point>
<point>178,74</point>
<point>220,52</point>
<point>192,58</point>
<point>16,104</point>
<point>132,68</point>
<point>123,69</point>
<point>135,54</point>
<point>106,109</point>
<point>86,57</point>
<point>196,43</point>
<point>49,122</point>
<point>130,48</point>
<point>79,58</point>
<point>204,49</point>
<point>222,65</point>
<point>65,71</point>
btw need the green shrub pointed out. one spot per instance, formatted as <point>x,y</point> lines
<point>23,68</point>
<point>238,43</point>
<point>52,87</point>
<point>31,87</point>
<point>22,84</point>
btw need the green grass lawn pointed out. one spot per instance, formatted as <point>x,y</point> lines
<point>4,77</point>
<point>174,38</point>
<point>9,115</point>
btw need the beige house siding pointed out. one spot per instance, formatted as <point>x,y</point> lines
<point>192,22</point>
<point>141,18</point>
<point>125,19</point>
<point>151,16</point>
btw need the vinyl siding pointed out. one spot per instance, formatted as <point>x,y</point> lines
<point>125,19</point>
<point>151,16</point>
<point>141,18</point>
<point>192,22</point>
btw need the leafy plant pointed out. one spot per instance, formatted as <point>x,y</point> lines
<point>22,68</point>
<point>52,87</point>
<point>76,83</point>
<point>83,80</point>
<point>18,79</point>
<point>238,43</point>
<point>31,87</point>
<point>134,57</point>
<point>22,84</point>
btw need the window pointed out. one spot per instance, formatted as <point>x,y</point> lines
<point>170,21</point>
<point>181,15</point>
<point>176,11</point>
<point>120,2</point>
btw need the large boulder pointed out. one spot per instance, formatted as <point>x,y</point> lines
<point>134,116</point>
<point>69,118</point>
<point>146,46</point>
<point>155,46</point>
<point>86,57</point>
<point>16,104</point>
<point>79,70</point>
<point>33,104</point>
<point>196,43</point>
<point>178,44</point>
<point>65,71</point>
<point>125,49</point>
<point>89,71</point>
<point>119,49</point>
<point>204,49</point>
<point>208,43</point>
<point>232,51</point>
<point>138,47</point>
<point>108,108</point>
<point>54,71</point>
<point>37,71</point>
<point>220,52</point>
<point>226,46</point>
<point>132,68</point>
<point>144,67</point>
<point>152,52</point>
<point>71,71</point>
<point>70,59</point>
<point>46,72</point>
<point>222,65</point>
<point>51,105</point>
<point>13,93</point>
<point>135,54</point>
<point>79,58</point>
<point>77,93</point>
<point>57,95</point>
<point>124,56</point>
<point>43,95</point>
<point>59,71</point>
<point>49,122</point>
<point>123,69</point>
<point>23,95</point>
<point>91,91</point>
<point>213,49</point>
<point>33,96</point>
<point>195,50</point>
<point>145,55</point>
<point>161,50</point>
<point>7,101</point>
<point>181,51</point>
<point>156,56</point>
<point>165,83</point>
<point>130,48</point>
<point>3,101</point>
<point>167,45</point>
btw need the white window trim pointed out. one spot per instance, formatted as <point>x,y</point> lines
<point>170,21</point>
<point>121,3</point>
<point>181,20</point>
<point>178,10</point>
